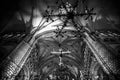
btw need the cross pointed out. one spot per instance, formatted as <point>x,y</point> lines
<point>60,54</point>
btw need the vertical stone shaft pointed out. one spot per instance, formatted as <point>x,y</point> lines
<point>14,62</point>
<point>87,62</point>
<point>105,57</point>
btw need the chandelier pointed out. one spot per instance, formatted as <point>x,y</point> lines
<point>67,13</point>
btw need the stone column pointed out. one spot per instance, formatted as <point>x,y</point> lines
<point>104,56</point>
<point>15,61</point>
<point>87,62</point>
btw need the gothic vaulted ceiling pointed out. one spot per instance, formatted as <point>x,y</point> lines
<point>50,40</point>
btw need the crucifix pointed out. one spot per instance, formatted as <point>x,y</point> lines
<point>60,54</point>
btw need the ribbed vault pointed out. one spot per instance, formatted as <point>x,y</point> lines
<point>50,43</point>
<point>61,39</point>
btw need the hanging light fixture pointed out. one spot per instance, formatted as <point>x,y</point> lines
<point>67,13</point>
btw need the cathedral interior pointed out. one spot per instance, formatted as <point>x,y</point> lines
<point>59,40</point>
